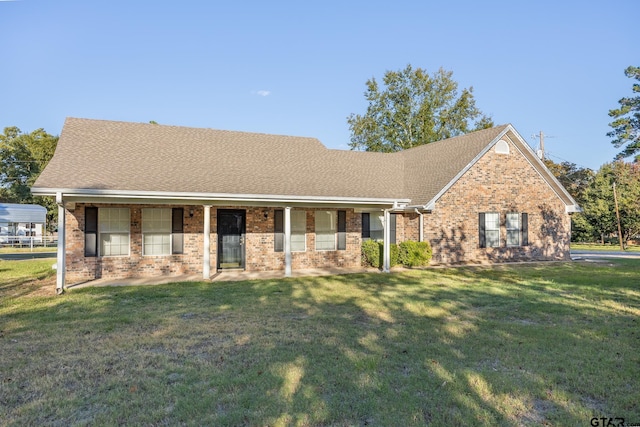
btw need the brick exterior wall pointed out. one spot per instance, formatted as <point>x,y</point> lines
<point>497,183</point>
<point>259,247</point>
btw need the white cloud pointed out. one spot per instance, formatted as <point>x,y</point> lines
<point>263,92</point>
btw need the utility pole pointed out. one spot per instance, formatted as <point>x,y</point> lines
<point>540,151</point>
<point>615,199</point>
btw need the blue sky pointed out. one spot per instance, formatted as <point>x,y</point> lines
<point>299,68</point>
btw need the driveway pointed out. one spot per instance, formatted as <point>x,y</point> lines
<point>582,254</point>
<point>27,255</point>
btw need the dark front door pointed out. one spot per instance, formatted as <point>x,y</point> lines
<point>231,230</point>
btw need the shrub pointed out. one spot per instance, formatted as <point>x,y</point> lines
<point>373,252</point>
<point>414,254</point>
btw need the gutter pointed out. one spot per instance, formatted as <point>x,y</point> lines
<point>199,198</point>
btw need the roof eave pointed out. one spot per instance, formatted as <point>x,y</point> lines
<point>135,196</point>
<point>570,204</point>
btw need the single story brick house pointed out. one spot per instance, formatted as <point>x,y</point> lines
<point>140,200</point>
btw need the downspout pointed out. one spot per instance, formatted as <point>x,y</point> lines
<point>421,221</point>
<point>62,242</point>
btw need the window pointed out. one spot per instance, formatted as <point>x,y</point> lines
<point>517,226</point>
<point>162,231</point>
<point>372,226</point>
<point>513,229</point>
<point>331,230</point>
<point>156,231</point>
<point>326,227</point>
<point>489,230</point>
<point>91,232</point>
<point>298,231</point>
<point>113,228</point>
<point>517,229</point>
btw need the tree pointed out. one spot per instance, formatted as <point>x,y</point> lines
<point>626,123</point>
<point>599,208</point>
<point>576,180</point>
<point>413,108</point>
<point>22,157</point>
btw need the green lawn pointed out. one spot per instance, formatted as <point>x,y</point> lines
<point>15,249</point>
<point>606,247</point>
<point>543,344</point>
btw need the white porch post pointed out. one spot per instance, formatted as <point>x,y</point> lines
<point>421,215</point>
<point>287,242</point>
<point>206,256</point>
<point>386,245</point>
<point>62,242</point>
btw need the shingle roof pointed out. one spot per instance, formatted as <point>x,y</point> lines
<point>432,166</point>
<point>122,156</point>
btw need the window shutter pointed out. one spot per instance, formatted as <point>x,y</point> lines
<point>278,228</point>
<point>342,230</point>
<point>481,238</point>
<point>392,228</point>
<point>90,232</point>
<point>177,230</point>
<point>525,229</point>
<point>366,225</point>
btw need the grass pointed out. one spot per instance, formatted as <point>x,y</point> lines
<point>605,247</point>
<point>543,344</point>
<point>15,249</point>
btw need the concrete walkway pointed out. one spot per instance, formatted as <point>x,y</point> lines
<point>222,276</point>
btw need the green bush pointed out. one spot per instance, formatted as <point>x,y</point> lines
<point>395,254</point>
<point>414,254</point>
<point>373,251</point>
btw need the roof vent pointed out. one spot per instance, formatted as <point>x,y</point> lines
<point>502,147</point>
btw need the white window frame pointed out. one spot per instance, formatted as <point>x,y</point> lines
<point>513,231</point>
<point>156,231</point>
<point>325,233</point>
<point>298,231</point>
<point>492,218</point>
<point>114,226</point>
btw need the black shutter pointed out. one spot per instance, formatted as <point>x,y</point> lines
<point>342,230</point>
<point>90,232</point>
<point>177,230</point>
<point>525,229</point>
<point>278,228</point>
<point>392,228</point>
<point>481,237</point>
<point>366,225</point>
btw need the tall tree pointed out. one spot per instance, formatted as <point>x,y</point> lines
<point>626,123</point>
<point>576,180</point>
<point>412,108</point>
<point>599,205</point>
<point>22,157</point>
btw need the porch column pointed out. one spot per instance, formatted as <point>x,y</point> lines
<point>421,222</point>
<point>62,242</point>
<point>386,243</point>
<point>206,256</point>
<point>287,242</point>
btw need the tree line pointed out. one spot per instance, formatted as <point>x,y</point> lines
<point>22,157</point>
